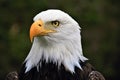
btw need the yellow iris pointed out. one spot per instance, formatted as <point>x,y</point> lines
<point>55,23</point>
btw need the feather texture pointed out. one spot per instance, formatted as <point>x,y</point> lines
<point>49,71</point>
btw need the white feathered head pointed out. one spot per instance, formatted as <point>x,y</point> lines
<point>56,37</point>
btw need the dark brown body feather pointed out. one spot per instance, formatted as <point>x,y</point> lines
<point>50,71</point>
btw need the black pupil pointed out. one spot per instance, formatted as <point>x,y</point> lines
<point>55,23</point>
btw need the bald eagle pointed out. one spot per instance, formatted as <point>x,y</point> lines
<point>56,52</point>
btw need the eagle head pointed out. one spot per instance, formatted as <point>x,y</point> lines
<point>56,38</point>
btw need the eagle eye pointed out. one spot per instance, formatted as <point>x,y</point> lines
<point>55,23</point>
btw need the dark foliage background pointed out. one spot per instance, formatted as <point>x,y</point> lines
<point>99,19</point>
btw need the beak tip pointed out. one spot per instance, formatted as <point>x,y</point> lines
<point>31,39</point>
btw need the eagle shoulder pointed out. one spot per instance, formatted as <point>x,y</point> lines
<point>89,72</point>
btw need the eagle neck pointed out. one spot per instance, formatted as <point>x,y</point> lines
<point>67,53</point>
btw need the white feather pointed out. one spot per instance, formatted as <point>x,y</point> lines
<point>63,47</point>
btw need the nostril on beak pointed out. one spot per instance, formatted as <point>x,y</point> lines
<point>39,25</point>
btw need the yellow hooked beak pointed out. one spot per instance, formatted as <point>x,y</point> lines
<point>37,29</point>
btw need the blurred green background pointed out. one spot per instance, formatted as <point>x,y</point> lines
<point>99,19</point>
